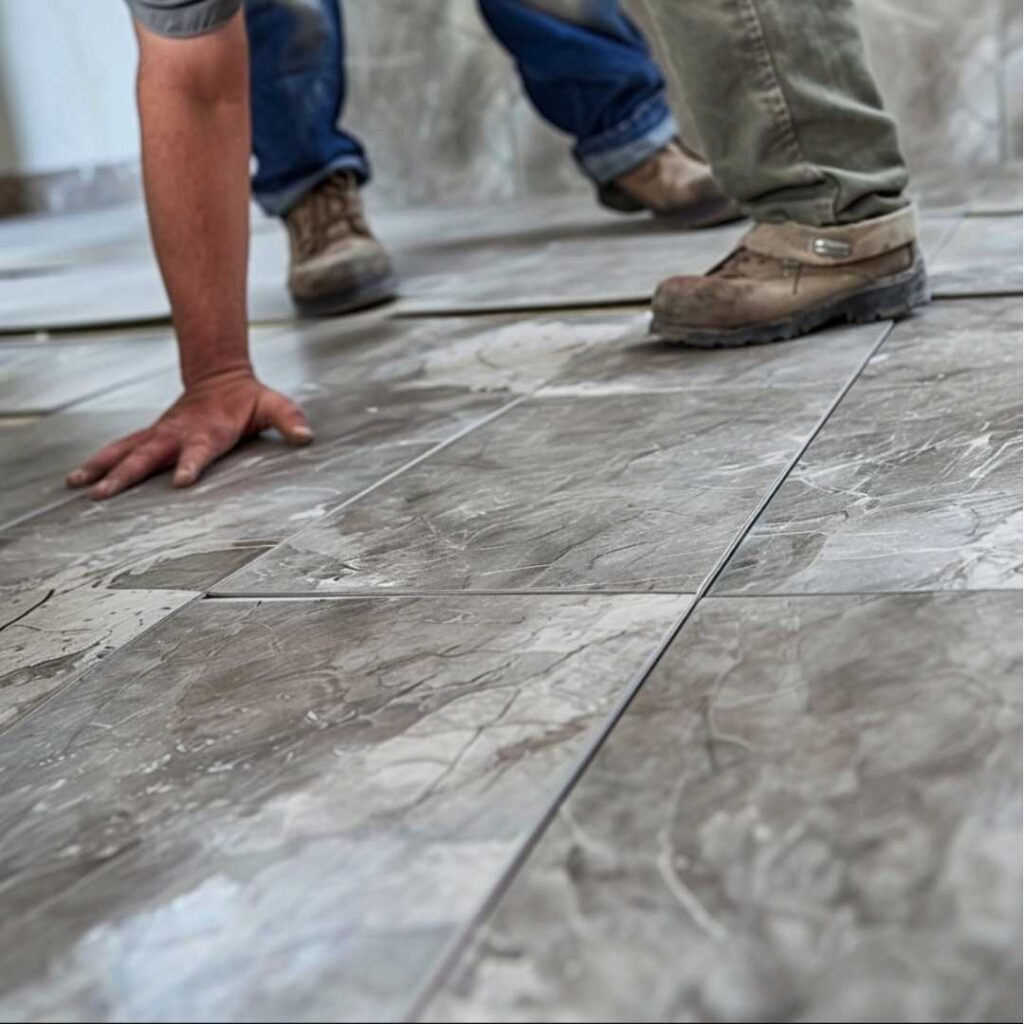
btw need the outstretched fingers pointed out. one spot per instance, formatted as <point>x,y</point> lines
<point>151,456</point>
<point>104,460</point>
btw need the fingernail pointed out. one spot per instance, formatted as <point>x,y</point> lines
<point>77,477</point>
<point>184,476</point>
<point>302,432</point>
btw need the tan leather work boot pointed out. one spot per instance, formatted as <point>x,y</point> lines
<point>783,280</point>
<point>674,182</point>
<point>337,266</point>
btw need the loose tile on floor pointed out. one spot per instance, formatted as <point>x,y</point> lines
<point>811,811</point>
<point>286,810</point>
<point>914,483</point>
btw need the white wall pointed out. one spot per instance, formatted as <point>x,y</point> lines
<point>67,71</point>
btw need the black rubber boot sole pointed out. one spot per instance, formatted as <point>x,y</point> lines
<point>363,296</point>
<point>889,299</point>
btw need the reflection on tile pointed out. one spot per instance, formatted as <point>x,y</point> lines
<point>378,394</point>
<point>637,362</point>
<point>35,459</point>
<point>257,821</point>
<point>49,637</point>
<point>981,257</point>
<point>637,491</point>
<point>591,263</point>
<point>811,811</point>
<point>43,376</point>
<point>914,483</point>
<point>124,287</point>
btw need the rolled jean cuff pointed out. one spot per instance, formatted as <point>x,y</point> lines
<point>621,148</point>
<point>277,202</point>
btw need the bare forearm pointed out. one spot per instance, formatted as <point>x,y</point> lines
<point>193,97</point>
<point>194,107</point>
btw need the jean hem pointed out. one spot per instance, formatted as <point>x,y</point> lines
<point>621,148</point>
<point>278,202</point>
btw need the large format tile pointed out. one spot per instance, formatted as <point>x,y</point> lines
<point>379,396</point>
<point>637,362</point>
<point>637,492</point>
<point>981,257</point>
<point>48,638</point>
<point>810,812</point>
<point>534,265</point>
<point>124,287</point>
<point>40,376</point>
<point>983,191</point>
<point>914,483</point>
<point>313,362</point>
<point>286,810</point>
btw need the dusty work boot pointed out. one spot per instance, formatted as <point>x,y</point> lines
<point>673,182</point>
<point>786,279</point>
<point>337,266</point>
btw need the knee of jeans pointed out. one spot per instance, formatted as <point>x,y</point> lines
<point>303,27</point>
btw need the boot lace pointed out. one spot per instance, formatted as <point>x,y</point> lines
<point>330,211</point>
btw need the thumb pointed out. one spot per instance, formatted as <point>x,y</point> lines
<point>287,419</point>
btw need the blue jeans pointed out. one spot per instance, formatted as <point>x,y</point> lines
<point>588,71</point>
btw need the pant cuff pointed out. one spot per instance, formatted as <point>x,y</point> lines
<point>620,148</point>
<point>278,202</point>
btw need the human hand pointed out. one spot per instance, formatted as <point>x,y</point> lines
<point>207,421</point>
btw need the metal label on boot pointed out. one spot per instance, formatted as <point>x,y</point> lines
<point>831,248</point>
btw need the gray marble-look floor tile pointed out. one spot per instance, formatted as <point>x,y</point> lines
<point>240,817</point>
<point>981,257</point>
<point>810,812</point>
<point>591,263</point>
<point>379,396</point>
<point>636,362</point>
<point>48,638</point>
<point>981,191</point>
<point>357,356</point>
<point>125,288</point>
<point>637,492</point>
<point>914,483</point>
<point>42,376</point>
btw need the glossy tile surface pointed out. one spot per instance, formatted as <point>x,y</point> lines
<point>594,261</point>
<point>39,376</point>
<point>981,257</point>
<point>49,636</point>
<point>636,492</point>
<point>291,807</point>
<point>379,396</point>
<point>914,483</point>
<point>810,812</point>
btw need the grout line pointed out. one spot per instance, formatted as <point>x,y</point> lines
<point>41,511</point>
<point>569,306</point>
<point>1008,293</point>
<point>387,595</point>
<point>460,942</point>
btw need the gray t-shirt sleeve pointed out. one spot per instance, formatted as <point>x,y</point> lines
<point>183,18</point>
